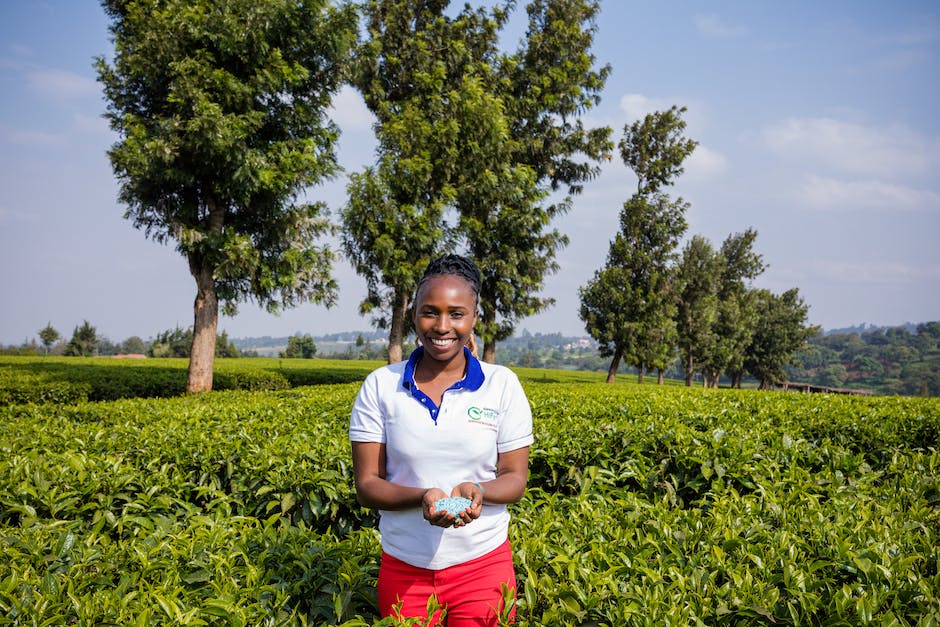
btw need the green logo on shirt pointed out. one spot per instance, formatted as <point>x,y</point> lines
<point>482,413</point>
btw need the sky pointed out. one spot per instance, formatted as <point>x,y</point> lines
<point>816,121</point>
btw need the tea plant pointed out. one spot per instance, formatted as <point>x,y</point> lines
<point>646,506</point>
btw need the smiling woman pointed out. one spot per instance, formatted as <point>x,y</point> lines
<point>425,433</point>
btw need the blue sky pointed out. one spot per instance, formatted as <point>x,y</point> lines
<point>817,126</point>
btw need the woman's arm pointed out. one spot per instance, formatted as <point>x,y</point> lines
<point>372,489</point>
<point>512,475</point>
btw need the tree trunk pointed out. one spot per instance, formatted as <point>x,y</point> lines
<point>489,344</point>
<point>396,334</point>
<point>689,372</point>
<point>614,364</point>
<point>205,327</point>
<point>489,351</point>
<point>639,373</point>
<point>660,377</point>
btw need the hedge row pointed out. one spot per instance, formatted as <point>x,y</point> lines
<point>646,506</point>
<point>75,379</point>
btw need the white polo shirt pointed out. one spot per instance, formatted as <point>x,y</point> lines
<point>483,414</point>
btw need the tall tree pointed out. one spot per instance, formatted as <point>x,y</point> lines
<point>781,332</point>
<point>651,224</point>
<point>394,222</point>
<point>697,276</point>
<point>737,305</point>
<point>48,335</point>
<point>629,305</point>
<point>84,342</point>
<point>219,106</point>
<point>543,89</point>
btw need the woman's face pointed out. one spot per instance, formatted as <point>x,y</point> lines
<point>445,312</point>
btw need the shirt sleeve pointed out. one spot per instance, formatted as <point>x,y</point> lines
<point>367,422</point>
<point>515,430</point>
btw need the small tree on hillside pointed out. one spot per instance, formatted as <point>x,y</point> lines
<point>300,346</point>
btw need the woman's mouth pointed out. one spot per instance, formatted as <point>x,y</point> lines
<point>442,342</point>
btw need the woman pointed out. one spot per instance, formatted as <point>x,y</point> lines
<point>443,424</point>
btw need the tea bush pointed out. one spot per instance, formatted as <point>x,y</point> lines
<point>646,505</point>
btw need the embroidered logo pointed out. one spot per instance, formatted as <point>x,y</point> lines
<point>483,416</point>
<point>482,413</point>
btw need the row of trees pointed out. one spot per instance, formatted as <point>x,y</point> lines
<point>650,302</point>
<point>86,341</point>
<point>220,110</point>
<point>895,360</point>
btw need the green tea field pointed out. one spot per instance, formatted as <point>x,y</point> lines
<point>124,502</point>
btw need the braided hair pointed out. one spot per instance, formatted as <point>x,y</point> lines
<point>463,267</point>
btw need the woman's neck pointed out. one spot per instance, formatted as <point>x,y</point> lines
<point>429,369</point>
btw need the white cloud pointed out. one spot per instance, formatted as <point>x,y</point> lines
<point>61,83</point>
<point>849,148</point>
<point>714,26</point>
<point>637,106</point>
<point>705,163</point>
<point>349,111</point>
<point>818,192</point>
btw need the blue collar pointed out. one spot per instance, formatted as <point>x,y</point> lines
<point>472,379</point>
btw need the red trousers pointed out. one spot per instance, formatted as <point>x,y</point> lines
<point>471,593</point>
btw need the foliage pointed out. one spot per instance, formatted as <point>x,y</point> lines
<point>84,342</point>
<point>737,307</point>
<point>646,505</point>
<point>780,332</point>
<point>393,223</point>
<point>891,360</point>
<point>219,108</point>
<point>301,346</point>
<point>478,131</point>
<point>177,342</point>
<point>629,306</point>
<point>48,335</point>
<point>70,380</point>
<point>697,275</point>
<point>530,139</point>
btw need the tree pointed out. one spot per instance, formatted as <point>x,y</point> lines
<point>654,148</point>
<point>178,342</point>
<point>134,345</point>
<point>393,223</point>
<point>219,109</point>
<point>84,342</point>
<point>48,336</point>
<point>737,316</point>
<point>543,89</point>
<point>781,331</point>
<point>697,276</point>
<point>629,306</point>
<point>300,346</point>
<point>640,322</point>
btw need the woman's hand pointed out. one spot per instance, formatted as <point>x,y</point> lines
<point>436,518</point>
<point>472,491</point>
